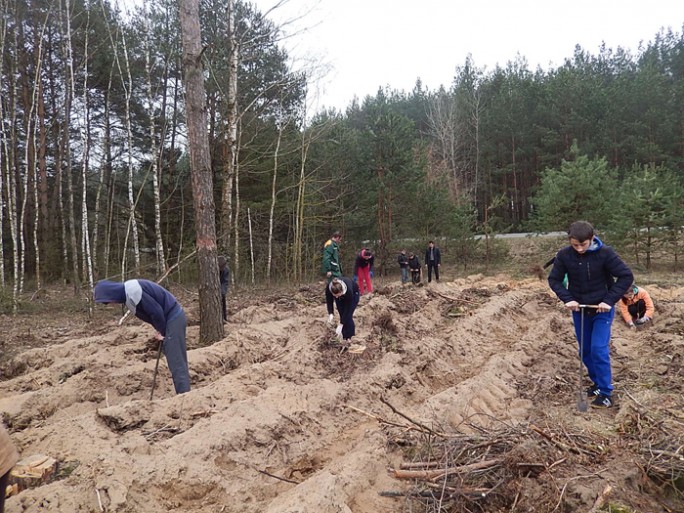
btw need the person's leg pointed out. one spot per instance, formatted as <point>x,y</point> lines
<point>599,351</point>
<point>329,300</point>
<point>436,273</point>
<point>404,275</point>
<point>369,280</point>
<point>641,308</point>
<point>176,353</point>
<point>429,266</point>
<point>3,486</point>
<point>349,329</point>
<point>586,348</point>
<point>223,302</point>
<point>362,278</point>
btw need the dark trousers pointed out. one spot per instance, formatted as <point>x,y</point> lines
<point>176,353</point>
<point>329,299</point>
<point>349,327</point>
<point>225,310</point>
<point>637,310</point>
<point>415,275</point>
<point>431,266</point>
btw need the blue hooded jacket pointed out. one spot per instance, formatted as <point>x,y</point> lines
<point>148,301</point>
<point>596,276</point>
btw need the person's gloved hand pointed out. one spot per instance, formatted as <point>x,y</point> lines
<point>371,274</point>
<point>331,318</point>
<point>355,278</point>
<point>631,326</point>
<point>643,320</point>
<point>338,331</point>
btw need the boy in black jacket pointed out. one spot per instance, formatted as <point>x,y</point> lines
<point>596,276</point>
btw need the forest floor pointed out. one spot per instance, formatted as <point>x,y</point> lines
<point>477,375</point>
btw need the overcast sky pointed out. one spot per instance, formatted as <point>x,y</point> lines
<point>372,43</point>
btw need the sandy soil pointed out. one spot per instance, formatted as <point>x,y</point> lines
<point>280,420</point>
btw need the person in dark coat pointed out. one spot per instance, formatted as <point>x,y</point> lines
<point>403,262</point>
<point>331,268</point>
<point>415,268</point>
<point>155,305</point>
<point>224,278</point>
<point>433,260</point>
<point>596,276</point>
<point>346,294</point>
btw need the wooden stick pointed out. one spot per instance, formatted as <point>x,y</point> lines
<point>436,474</point>
<point>420,425</point>
<point>99,500</point>
<point>601,499</point>
<point>277,477</point>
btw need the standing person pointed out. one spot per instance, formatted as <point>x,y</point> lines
<point>433,259</point>
<point>415,268</point>
<point>403,262</point>
<point>597,276</point>
<point>346,294</point>
<point>363,270</point>
<point>331,269</point>
<point>8,457</point>
<point>224,278</point>
<point>636,306</point>
<point>155,305</point>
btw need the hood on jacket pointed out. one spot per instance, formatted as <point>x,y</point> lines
<point>595,245</point>
<point>109,292</point>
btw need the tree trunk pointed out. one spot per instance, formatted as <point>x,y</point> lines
<point>271,213</point>
<point>211,321</point>
<point>154,152</point>
<point>230,160</point>
<point>71,87</point>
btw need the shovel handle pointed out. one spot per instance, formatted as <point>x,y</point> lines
<point>588,306</point>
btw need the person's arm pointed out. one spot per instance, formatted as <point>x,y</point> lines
<point>618,269</point>
<point>327,255</point>
<point>556,277</point>
<point>624,311</point>
<point>154,311</point>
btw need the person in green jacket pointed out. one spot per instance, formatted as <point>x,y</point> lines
<point>331,269</point>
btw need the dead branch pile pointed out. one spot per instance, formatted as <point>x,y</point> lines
<point>490,469</point>
<point>659,435</point>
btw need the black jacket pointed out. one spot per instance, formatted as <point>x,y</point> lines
<point>414,262</point>
<point>596,276</point>
<point>363,262</point>
<point>347,302</point>
<point>437,254</point>
<point>402,260</point>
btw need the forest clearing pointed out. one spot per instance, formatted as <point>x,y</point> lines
<point>157,143</point>
<point>464,400</point>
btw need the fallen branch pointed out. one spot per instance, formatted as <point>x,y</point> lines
<point>454,299</point>
<point>438,473</point>
<point>277,477</point>
<point>601,499</point>
<point>420,425</point>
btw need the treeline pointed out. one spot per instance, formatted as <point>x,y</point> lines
<point>94,168</point>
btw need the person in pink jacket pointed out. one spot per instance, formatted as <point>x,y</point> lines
<point>363,270</point>
<point>636,306</point>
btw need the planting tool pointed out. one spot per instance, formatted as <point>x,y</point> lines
<point>581,398</point>
<point>156,368</point>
